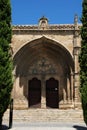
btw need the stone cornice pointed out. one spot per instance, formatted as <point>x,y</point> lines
<point>49,27</point>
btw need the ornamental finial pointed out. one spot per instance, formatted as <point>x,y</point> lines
<point>76,19</point>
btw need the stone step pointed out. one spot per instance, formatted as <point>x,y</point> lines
<point>45,115</point>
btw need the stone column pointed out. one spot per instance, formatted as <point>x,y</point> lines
<point>68,89</point>
<point>76,80</point>
<point>76,72</point>
<point>64,91</point>
<point>43,93</point>
<point>76,49</point>
<point>72,89</point>
<point>64,95</point>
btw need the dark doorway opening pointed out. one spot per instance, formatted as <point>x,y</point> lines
<point>34,93</point>
<point>52,93</point>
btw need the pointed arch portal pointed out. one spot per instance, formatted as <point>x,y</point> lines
<point>43,65</point>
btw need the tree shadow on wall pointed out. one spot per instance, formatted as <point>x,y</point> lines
<point>80,127</point>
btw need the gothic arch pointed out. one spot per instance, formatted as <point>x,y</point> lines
<point>39,47</point>
<point>32,42</point>
<point>56,55</point>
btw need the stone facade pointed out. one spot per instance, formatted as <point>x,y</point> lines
<point>46,68</point>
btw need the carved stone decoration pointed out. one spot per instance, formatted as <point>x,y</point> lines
<point>43,23</point>
<point>42,66</point>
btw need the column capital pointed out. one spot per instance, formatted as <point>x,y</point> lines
<point>72,73</point>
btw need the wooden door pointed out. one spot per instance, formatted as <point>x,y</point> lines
<point>52,93</point>
<point>34,94</point>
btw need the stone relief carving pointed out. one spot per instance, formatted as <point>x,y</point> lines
<point>43,66</point>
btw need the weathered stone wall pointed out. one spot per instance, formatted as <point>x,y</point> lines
<point>64,39</point>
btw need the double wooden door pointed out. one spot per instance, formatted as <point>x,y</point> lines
<point>52,93</point>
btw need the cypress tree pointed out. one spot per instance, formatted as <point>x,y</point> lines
<point>5,56</point>
<point>83,60</point>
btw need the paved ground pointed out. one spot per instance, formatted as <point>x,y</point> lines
<point>47,126</point>
<point>45,115</point>
<point>57,120</point>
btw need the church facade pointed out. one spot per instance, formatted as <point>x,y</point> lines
<point>46,67</point>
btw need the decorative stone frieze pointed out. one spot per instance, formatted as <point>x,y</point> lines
<point>49,27</point>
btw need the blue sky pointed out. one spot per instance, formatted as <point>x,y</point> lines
<point>57,11</point>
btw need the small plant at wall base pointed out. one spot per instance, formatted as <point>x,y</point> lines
<point>83,60</point>
<point>5,56</point>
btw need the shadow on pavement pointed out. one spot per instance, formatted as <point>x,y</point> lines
<point>79,127</point>
<point>4,127</point>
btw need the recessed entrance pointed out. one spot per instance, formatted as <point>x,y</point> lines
<point>52,91</point>
<point>34,93</point>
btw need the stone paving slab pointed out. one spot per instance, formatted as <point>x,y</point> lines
<point>44,128</point>
<point>45,115</point>
<point>46,120</point>
<point>48,126</point>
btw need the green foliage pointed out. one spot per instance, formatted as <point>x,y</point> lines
<point>5,56</point>
<point>83,60</point>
